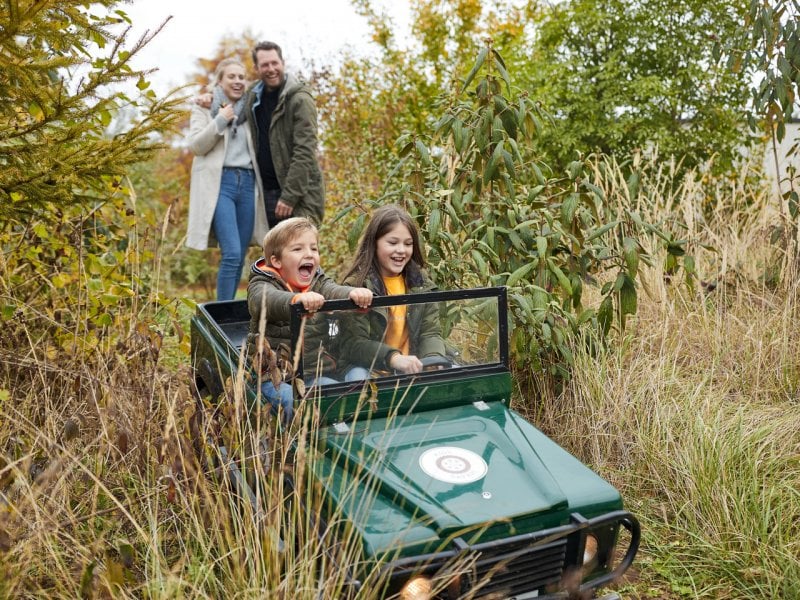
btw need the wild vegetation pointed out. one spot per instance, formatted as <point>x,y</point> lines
<point>692,408</point>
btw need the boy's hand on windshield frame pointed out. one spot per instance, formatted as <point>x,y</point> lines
<point>311,301</point>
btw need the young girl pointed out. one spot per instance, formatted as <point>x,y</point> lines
<point>389,262</point>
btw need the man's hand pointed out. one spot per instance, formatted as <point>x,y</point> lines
<point>283,210</point>
<point>361,296</point>
<point>204,100</point>
<point>311,301</point>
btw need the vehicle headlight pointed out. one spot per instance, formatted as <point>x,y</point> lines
<point>417,588</point>
<point>590,549</point>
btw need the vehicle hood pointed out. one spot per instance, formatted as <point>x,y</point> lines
<point>421,480</point>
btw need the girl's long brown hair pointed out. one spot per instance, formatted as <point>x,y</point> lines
<point>383,219</point>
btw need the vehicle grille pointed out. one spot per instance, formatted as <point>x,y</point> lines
<point>505,572</point>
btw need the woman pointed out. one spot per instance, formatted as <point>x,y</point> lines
<point>225,193</point>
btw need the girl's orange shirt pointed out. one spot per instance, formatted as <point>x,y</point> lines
<point>396,328</point>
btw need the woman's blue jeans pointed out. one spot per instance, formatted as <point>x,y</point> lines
<point>234,219</point>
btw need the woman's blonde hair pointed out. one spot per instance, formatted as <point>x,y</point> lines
<point>224,64</point>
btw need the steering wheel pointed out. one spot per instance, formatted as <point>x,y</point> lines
<point>435,361</point>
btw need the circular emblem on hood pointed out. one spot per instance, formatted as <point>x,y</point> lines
<point>453,465</point>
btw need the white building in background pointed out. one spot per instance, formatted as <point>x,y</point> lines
<point>791,139</point>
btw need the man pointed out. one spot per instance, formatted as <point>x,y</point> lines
<point>283,120</point>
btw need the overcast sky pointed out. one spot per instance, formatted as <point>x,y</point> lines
<point>305,29</point>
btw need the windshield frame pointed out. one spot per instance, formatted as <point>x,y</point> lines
<point>499,292</point>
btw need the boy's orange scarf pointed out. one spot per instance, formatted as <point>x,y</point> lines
<point>262,264</point>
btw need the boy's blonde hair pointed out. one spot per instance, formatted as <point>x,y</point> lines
<point>284,232</point>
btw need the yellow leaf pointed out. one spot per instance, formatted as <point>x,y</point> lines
<point>60,280</point>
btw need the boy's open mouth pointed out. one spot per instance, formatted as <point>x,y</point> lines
<point>306,270</point>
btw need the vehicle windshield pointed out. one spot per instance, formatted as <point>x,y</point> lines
<point>400,336</point>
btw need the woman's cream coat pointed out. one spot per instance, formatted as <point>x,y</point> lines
<point>208,146</point>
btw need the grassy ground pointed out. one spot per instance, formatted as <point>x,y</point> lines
<point>697,421</point>
<point>694,414</point>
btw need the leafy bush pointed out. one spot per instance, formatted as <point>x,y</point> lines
<point>493,215</point>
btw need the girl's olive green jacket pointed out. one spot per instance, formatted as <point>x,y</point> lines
<point>362,335</point>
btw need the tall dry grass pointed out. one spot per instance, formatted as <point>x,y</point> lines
<point>695,413</point>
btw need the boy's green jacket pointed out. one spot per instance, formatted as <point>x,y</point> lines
<point>362,335</point>
<point>268,289</point>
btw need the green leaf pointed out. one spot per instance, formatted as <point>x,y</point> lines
<point>537,172</point>
<point>509,164</point>
<point>7,311</point>
<point>434,220</point>
<point>355,231</point>
<point>567,354</point>
<point>562,279</point>
<point>478,64</point>
<point>490,236</point>
<point>541,246</point>
<point>568,208</point>
<point>424,155</point>
<point>793,202</point>
<point>676,248</point>
<point>406,150</point>
<point>41,231</point>
<point>586,315</point>
<point>491,168</point>
<point>457,131</point>
<point>574,170</point>
<point>480,263</point>
<point>35,111</point>
<point>87,579</point>
<point>61,280</point>
<point>688,264</point>
<point>517,275</point>
<point>540,298</point>
<point>631,253</point>
<point>627,297</point>
<point>605,314</point>
<point>443,124</point>
<point>602,230</point>
<point>577,289</point>
<point>501,68</point>
<point>633,184</point>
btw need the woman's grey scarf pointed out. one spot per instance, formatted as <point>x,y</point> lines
<point>219,99</point>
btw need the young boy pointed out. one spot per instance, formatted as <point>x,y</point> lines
<point>289,273</point>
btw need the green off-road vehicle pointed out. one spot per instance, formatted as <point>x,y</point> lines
<point>448,492</point>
